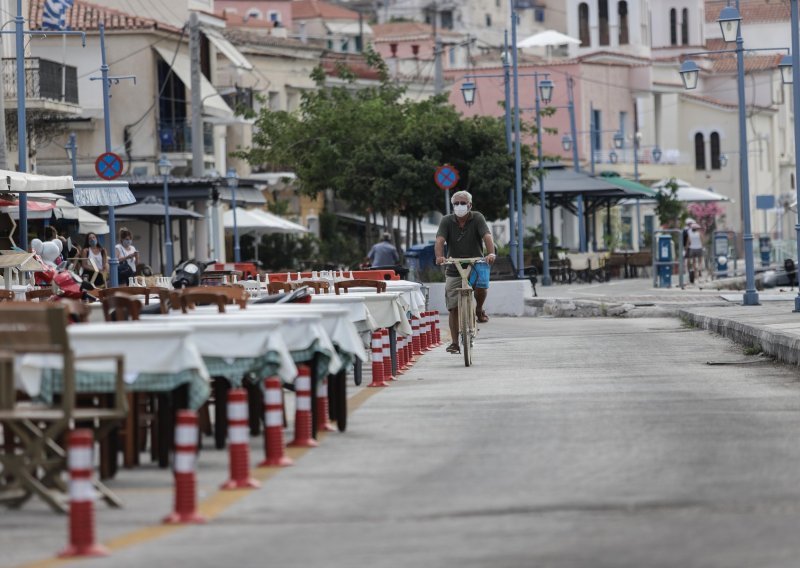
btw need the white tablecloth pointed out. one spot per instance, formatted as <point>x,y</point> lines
<point>388,309</point>
<point>146,347</point>
<point>357,308</point>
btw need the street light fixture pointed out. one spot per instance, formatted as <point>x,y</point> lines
<point>786,69</point>
<point>566,142</point>
<point>233,182</point>
<point>619,140</point>
<point>730,22</point>
<point>656,153</point>
<point>723,160</point>
<point>690,73</point>
<point>72,154</point>
<point>468,92</point>
<point>612,157</point>
<point>546,91</point>
<point>164,168</point>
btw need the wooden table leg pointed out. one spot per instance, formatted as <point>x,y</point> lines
<point>166,428</point>
<point>255,406</point>
<point>221,387</point>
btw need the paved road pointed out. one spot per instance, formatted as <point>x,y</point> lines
<point>572,443</point>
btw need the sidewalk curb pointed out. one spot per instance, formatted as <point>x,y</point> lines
<point>782,346</point>
<point>572,308</point>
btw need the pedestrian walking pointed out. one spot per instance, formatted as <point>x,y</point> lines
<point>384,253</point>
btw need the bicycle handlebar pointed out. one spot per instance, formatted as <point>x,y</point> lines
<point>473,260</point>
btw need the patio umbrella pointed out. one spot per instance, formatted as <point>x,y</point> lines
<point>260,222</point>
<point>281,225</point>
<point>686,192</point>
<point>87,222</point>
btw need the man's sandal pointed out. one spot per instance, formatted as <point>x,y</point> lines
<point>454,348</point>
<point>482,317</point>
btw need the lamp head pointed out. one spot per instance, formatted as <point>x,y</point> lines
<point>231,178</point>
<point>619,140</point>
<point>164,166</point>
<point>786,69</point>
<point>612,157</point>
<point>468,92</point>
<point>723,160</point>
<point>656,153</point>
<point>546,91</point>
<point>689,74</point>
<point>729,22</point>
<point>566,142</point>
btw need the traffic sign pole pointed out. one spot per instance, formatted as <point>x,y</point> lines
<point>447,202</point>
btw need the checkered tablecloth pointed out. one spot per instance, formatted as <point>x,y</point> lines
<point>236,369</point>
<point>102,382</point>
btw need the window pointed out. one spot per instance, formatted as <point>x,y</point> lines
<point>715,151</point>
<point>446,19</point>
<point>583,24</point>
<point>488,20</point>
<point>699,151</point>
<point>538,15</point>
<point>345,44</point>
<point>452,58</point>
<point>275,18</point>
<point>274,98</point>
<point>602,9</point>
<point>597,127</point>
<point>673,27</point>
<point>623,122</point>
<point>359,44</point>
<point>253,14</point>
<point>622,12</point>
<point>685,26</point>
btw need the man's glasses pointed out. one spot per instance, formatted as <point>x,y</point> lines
<point>460,203</point>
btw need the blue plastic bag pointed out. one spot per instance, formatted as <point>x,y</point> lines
<point>479,277</point>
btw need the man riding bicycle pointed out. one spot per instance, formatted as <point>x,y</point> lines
<point>466,233</point>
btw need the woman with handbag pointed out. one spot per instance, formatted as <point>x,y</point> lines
<point>94,261</point>
<point>127,255</point>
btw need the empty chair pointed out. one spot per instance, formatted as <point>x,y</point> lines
<point>7,295</point>
<point>189,298</point>
<point>319,286</point>
<point>234,293</point>
<point>38,295</point>
<point>276,287</point>
<point>345,285</point>
<point>121,307</point>
<point>130,291</point>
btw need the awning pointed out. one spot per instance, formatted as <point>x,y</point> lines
<point>35,209</point>
<point>280,224</point>
<point>260,222</point>
<point>227,49</point>
<point>244,195</point>
<point>628,185</point>
<point>102,193</point>
<point>16,182</point>
<point>213,104</point>
<point>87,222</point>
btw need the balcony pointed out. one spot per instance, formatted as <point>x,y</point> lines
<point>49,85</point>
<point>176,137</point>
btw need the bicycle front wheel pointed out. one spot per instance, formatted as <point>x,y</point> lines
<point>465,314</point>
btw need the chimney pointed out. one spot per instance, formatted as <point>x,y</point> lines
<point>303,35</point>
<point>415,50</point>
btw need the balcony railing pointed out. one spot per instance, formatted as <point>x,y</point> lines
<point>176,136</point>
<point>44,80</point>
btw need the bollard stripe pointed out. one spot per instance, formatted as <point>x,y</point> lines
<point>81,490</point>
<point>185,435</point>
<point>79,458</point>
<point>238,434</point>
<point>302,384</point>
<point>273,418</point>
<point>184,462</point>
<point>237,411</point>
<point>273,396</point>
<point>322,389</point>
<point>303,403</point>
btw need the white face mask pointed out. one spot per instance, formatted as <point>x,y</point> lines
<point>460,210</point>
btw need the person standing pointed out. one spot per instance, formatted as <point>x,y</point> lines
<point>384,253</point>
<point>695,254</point>
<point>127,255</point>
<point>94,260</point>
<point>466,234</point>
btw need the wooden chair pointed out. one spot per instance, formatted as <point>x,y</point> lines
<point>233,293</point>
<point>169,300</point>
<point>38,295</point>
<point>120,307</point>
<point>345,285</point>
<point>192,297</point>
<point>319,286</point>
<point>130,291</point>
<point>35,467</point>
<point>7,295</point>
<point>277,287</point>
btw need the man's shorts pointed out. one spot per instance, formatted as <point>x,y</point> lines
<point>695,253</point>
<point>451,287</point>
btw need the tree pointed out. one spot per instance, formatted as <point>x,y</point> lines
<point>669,210</point>
<point>378,151</point>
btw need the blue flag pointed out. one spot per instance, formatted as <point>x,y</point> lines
<point>54,15</point>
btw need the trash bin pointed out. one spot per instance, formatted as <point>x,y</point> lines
<point>664,261</point>
<point>765,248</point>
<point>420,258</point>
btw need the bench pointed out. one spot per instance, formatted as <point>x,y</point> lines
<point>503,269</point>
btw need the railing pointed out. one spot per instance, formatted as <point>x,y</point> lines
<point>176,136</point>
<point>44,79</point>
<point>625,156</point>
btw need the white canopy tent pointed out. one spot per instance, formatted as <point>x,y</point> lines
<point>19,182</point>
<point>260,222</point>
<point>689,193</point>
<point>548,38</point>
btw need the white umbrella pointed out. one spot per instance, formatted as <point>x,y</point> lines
<point>281,225</point>
<point>686,192</point>
<point>547,38</point>
<point>260,222</point>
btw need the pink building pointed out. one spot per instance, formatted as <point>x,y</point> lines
<point>273,13</point>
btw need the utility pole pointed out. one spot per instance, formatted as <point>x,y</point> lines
<point>438,76</point>
<point>197,111</point>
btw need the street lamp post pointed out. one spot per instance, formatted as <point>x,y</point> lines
<point>517,150</point>
<point>72,153</point>
<point>164,168</point>
<point>730,23</point>
<point>793,78</point>
<point>233,182</point>
<point>544,92</point>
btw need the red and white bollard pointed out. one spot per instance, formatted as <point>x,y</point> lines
<point>273,425</point>
<point>81,497</point>
<point>401,358</point>
<point>427,344</point>
<point>323,423</point>
<point>387,356</point>
<point>416,347</point>
<point>377,361</point>
<point>239,443</point>
<point>183,466</point>
<point>437,339</point>
<point>302,417</point>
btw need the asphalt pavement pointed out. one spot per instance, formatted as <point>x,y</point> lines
<point>590,443</point>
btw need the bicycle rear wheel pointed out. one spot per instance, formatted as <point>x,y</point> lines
<point>465,309</point>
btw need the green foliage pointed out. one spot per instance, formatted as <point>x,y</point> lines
<point>279,207</point>
<point>279,252</point>
<point>378,151</point>
<point>669,210</point>
<point>336,248</point>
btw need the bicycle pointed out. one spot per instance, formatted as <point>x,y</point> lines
<point>467,318</point>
